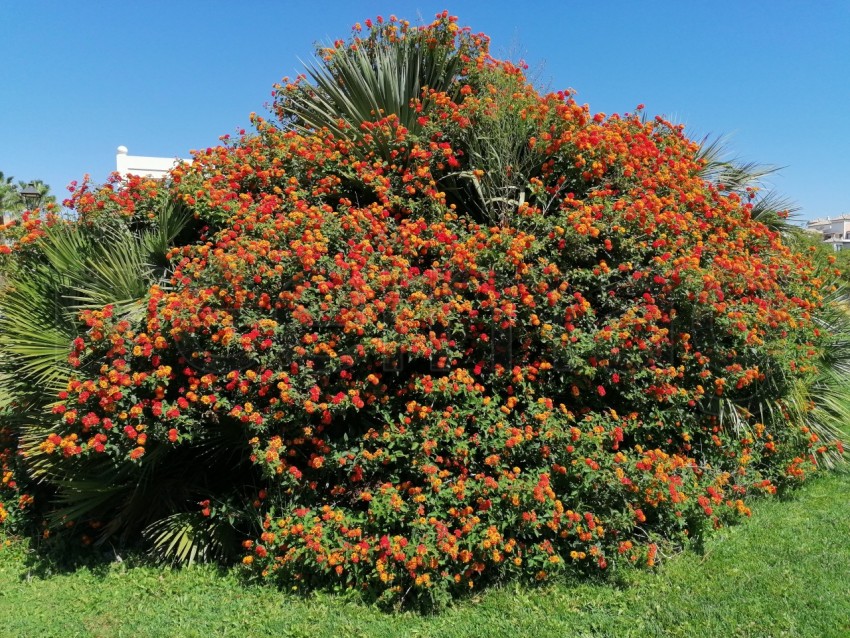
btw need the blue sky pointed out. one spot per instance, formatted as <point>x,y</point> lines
<point>81,78</point>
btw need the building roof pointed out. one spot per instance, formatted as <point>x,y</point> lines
<point>829,220</point>
<point>144,166</point>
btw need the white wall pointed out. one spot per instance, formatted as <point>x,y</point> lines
<point>156,167</point>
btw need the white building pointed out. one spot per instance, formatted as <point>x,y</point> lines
<point>835,231</point>
<point>156,167</point>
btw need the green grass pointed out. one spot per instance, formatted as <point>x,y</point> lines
<point>784,573</point>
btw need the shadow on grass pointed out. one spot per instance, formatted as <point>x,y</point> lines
<point>45,558</point>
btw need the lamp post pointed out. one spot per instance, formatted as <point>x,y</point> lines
<point>31,196</point>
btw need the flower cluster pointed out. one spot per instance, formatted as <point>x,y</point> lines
<point>15,497</point>
<point>447,365</point>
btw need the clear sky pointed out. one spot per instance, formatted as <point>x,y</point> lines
<point>81,78</point>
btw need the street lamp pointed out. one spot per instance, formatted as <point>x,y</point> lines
<point>31,196</point>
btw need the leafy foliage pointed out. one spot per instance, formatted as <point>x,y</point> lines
<point>58,270</point>
<point>460,333</point>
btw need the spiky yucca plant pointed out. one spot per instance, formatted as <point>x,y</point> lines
<point>378,77</point>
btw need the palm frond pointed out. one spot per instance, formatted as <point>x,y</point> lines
<point>80,269</point>
<point>368,83</point>
<point>823,402</point>
<point>720,168</point>
<point>35,333</point>
<point>185,538</point>
<point>737,177</point>
<point>171,218</point>
<point>733,416</point>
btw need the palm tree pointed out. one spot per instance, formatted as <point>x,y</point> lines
<point>80,267</point>
<point>83,267</point>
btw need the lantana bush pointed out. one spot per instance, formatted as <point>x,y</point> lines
<point>428,328</point>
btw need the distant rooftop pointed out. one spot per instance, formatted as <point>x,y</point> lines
<point>828,220</point>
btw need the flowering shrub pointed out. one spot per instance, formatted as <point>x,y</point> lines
<point>15,499</point>
<point>506,338</point>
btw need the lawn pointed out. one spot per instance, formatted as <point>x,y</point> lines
<point>786,572</point>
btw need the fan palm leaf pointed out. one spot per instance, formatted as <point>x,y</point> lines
<point>185,538</point>
<point>78,267</point>
<point>737,177</point>
<point>79,270</point>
